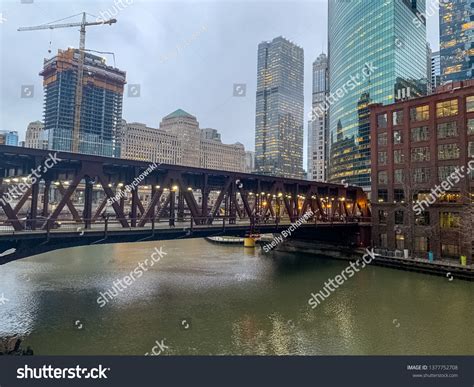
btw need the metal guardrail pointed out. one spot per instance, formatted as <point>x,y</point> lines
<point>399,255</point>
<point>115,224</point>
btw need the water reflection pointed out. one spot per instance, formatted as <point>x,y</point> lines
<point>237,301</point>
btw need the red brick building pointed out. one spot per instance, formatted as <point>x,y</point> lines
<point>422,182</point>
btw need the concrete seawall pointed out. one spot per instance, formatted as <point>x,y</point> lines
<point>445,269</point>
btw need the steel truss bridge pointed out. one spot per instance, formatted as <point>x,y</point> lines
<point>81,197</point>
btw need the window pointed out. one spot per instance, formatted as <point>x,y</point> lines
<point>471,149</point>
<point>382,158</point>
<point>445,171</point>
<point>382,196</point>
<point>383,177</point>
<point>423,196</point>
<point>398,118</point>
<point>400,241</point>
<point>382,121</point>
<point>399,217</point>
<point>449,219</point>
<point>423,219</point>
<point>383,215</point>
<point>447,108</point>
<point>398,156</point>
<point>420,134</point>
<point>449,250</point>
<point>448,152</point>
<point>399,195</point>
<point>420,113</point>
<point>398,176</point>
<point>451,197</point>
<point>470,104</point>
<point>421,175</point>
<point>470,126</point>
<point>421,244</point>
<point>447,130</point>
<point>420,154</point>
<point>397,137</point>
<point>382,139</point>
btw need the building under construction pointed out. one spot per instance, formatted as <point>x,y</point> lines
<point>101,107</point>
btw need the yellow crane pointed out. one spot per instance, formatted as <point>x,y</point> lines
<point>80,68</point>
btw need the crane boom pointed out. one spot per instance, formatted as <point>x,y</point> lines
<point>80,67</point>
<point>67,25</point>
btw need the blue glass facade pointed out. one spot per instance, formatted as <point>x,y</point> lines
<point>9,138</point>
<point>377,51</point>
<point>456,23</point>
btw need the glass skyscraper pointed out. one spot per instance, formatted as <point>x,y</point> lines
<point>280,109</point>
<point>318,126</point>
<point>377,54</point>
<point>456,24</point>
<point>101,113</point>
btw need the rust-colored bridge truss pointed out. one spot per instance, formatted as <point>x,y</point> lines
<point>83,190</point>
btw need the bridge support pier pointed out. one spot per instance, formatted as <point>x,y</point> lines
<point>34,204</point>
<point>87,213</point>
<point>180,207</point>
<point>47,187</point>
<point>172,207</point>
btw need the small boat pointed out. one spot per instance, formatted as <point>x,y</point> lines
<point>225,240</point>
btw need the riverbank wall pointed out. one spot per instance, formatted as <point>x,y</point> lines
<point>450,270</point>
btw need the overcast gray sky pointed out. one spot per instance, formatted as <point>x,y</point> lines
<point>183,54</point>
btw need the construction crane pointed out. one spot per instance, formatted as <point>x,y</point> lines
<point>80,67</point>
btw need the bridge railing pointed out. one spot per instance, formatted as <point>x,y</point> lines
<point>115,223</point>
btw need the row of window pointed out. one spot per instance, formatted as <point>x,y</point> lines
<point>446,219</point>
<point>421,197</point>
<point>420,154</point>
<point>422,245</point>
<point>422,133</point>
<point>422,113</point>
